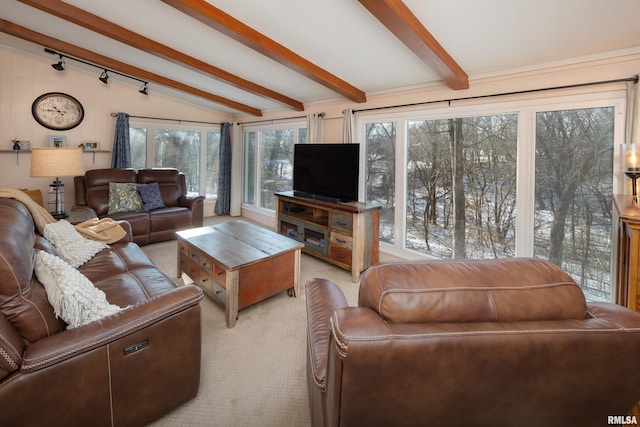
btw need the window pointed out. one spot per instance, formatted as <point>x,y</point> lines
<point>379,174</point>
<point>461,192</point>
<point>179,148</point>
<point>502,180</point>
<point>268,162</point>
<point>574,185</point>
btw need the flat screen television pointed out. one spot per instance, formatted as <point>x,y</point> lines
<point>326,171</point>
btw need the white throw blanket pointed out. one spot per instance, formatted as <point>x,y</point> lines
<point>70,244</point>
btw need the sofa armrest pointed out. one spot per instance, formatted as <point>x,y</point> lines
<point>75,342</point>
<point>83,212</point>
<point>127,227</point>
<point>323,298</point>
<point>190,201</point>
<point>196,205</point>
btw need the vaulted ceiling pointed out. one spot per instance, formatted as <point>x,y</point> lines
<point>252,56</point>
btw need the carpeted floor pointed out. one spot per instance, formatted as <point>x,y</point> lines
<point>255,373</point>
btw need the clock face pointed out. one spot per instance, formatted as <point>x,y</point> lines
<point>57,111</point>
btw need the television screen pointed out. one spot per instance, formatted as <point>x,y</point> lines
<point>326,171</point>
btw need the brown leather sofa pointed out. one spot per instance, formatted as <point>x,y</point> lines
<point>126,369</point>
<point>181,211</point>
<point>469,343</point>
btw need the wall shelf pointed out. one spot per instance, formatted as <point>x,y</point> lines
<point>17,153</point>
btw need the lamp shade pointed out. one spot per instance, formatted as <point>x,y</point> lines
<point>56,162</point>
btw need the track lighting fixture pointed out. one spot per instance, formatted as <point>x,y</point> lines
<point>104,77</point>
<point>59,64</point>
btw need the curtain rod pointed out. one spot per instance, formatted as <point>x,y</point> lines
<point>273,120</point>
<point>633,79</point>
<point>171,120</point>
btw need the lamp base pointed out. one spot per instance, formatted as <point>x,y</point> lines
<point>59,215</point>
<point>56,200</point>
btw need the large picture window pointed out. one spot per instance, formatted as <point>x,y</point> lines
<point>573,189</point>
<point>193,151</point>
<point>513,179</point>
<point>461,186</point>
<point>268,162</point>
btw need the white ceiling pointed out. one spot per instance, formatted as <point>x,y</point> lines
<point>485,37</point>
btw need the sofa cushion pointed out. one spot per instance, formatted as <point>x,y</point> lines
<point>471,291</point>
<point>73,297</point>
<point>96,187</point>
<point>11,348</point>
<point>171,182</point>
<point>151,196</point>
<point>71,245</point>
<point>23,301</point>
<point>124,197</point>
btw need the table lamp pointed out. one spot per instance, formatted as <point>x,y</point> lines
<point>631,166</point>
<point>54,163</point>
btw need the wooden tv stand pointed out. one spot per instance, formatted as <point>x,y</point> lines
<point>344,234</point>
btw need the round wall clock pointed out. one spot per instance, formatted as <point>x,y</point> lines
<point>57,111</point>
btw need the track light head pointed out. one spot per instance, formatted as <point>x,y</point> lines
<point>104,77</point>
<point>58,65</point>
<point>144,89</point>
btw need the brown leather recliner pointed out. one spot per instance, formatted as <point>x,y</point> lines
<point>507,342</point>
<point>181,211</point>
<point>127,369</point>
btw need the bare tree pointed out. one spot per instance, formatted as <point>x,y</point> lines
<point>459,208</point>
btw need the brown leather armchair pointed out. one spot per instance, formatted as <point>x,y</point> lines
<point>181,210</point>
<point>469,343</point>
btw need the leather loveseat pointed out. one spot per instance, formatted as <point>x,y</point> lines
<point>128,368</point>
<point>469,343</point>
<point>180,210</point>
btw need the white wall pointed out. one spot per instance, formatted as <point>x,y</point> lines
<point>24,77</point>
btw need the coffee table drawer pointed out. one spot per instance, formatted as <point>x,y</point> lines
<point>206,264</point>
<point>190,268</point>
<point>205,281</point>
<point>194,255</point>
<point>219,275</point>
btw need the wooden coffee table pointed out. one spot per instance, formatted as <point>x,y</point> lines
<point>238,264</point>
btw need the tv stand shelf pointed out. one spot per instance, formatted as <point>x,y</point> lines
<point>344,234</point>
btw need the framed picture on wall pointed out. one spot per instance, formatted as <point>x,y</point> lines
<point>91,145</point>
<point>57,141</point>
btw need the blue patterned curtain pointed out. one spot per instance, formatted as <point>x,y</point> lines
<point>121,155</point>
<point>223,205</point>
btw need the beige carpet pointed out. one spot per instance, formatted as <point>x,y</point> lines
<point>255,373</point>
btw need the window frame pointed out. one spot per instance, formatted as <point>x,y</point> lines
<point>258,129</point>
<point>151,129</point>
<point>526,108</point>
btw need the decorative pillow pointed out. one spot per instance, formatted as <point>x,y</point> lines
<point>150,195</point>
<point>71,245</point>
<point>73,297</point>
<point>124,197</point>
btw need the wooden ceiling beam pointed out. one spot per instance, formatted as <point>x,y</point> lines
<point>121,34</point>
<point>399,19</point>
<point>240,32</point>
<point>103,61</point>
